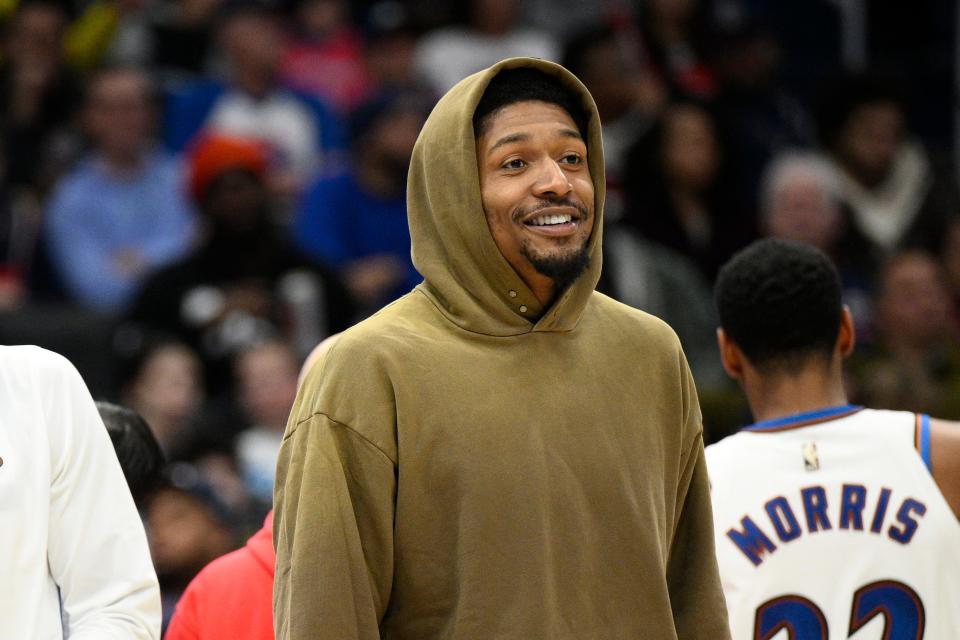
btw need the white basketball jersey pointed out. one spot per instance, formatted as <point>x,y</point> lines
<point>829,525</point>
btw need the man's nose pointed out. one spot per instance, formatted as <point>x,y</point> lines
<point>552,180</point>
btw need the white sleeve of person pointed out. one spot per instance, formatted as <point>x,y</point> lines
<point>96,546</point>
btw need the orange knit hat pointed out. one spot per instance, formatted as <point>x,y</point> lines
<point>214,154</point>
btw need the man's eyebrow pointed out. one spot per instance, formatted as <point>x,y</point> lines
<point>521,137</point>
<point>513,137</point>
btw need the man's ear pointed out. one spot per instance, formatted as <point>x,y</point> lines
<point>847,336</point>
<point>730,355</point>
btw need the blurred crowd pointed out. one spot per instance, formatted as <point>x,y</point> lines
<point>194,193</point>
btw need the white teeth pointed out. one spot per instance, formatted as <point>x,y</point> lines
<point>555,219</point>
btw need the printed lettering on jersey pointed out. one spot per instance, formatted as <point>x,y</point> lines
<point>815,509</point>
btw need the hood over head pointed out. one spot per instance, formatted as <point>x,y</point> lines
<point>472,283</point>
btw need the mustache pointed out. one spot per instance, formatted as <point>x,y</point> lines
<point>522,212</point>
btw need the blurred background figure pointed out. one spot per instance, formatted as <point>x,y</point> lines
<point>326,57</point>
<point>800,200</point>
<point>895,194</point>
<point>915,363</point>
<point>490,31</point>
<point>243,281</point>
<point>391,41</point>
<point>38,95</point>
<point>356,222</point>
<point>187,527</point>
<point>754,107</point>
<point>674,43</point>
<point>137,450</point>
<point>628,97</point>
<point>233,596</point>
<point>163,381</point>
<point>301,133</point>
<point>120,214</point>
<point>266,382</point>
<point>678,193</point>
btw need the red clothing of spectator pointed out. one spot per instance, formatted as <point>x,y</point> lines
<point>232,598</point>
<point>332,70</point>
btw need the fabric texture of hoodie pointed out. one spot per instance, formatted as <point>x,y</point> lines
<point>467,464</point>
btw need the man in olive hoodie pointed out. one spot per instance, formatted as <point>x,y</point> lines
<point>503,452</point>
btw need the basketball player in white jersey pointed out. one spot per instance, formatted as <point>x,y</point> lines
<point>832,520</point>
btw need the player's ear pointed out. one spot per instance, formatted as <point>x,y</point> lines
<point>730,355</point>
<point>847,336</point>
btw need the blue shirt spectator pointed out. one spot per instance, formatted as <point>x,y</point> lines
<point>339,223</point>
<point>106,231</point>
<point>356,222</point>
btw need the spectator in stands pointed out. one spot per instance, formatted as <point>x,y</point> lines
<point>492,32</point>
<point>357,221</point>
<point>753,106</point>
<point>391,41</point>
<point>628,98</point>
<point>244,280</point>
<point>916,364</point>
<point>800,200</point>
<point>674,39</point>
<point>232,598</point>
<point>301,133</point>
<point>121,213</point>
<point>895,195</point>
<point>38,95</point>
<point>137,450</point>
<point>188,525</point>
<point>163,381</point>
<point>677,190</point>
<point>326,58</point>
<point>266,383</point>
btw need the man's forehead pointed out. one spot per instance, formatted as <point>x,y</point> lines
<point>528,114</point>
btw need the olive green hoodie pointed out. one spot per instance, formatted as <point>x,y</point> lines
<point>468,465</point>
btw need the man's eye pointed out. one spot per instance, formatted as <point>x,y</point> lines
<point>516,163</point>
<point>571,158</point>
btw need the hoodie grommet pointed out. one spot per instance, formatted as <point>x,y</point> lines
<point>512,293</point>
<point>523,308</point>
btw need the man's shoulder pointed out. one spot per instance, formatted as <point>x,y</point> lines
<point>389,334</point>
<point>637,322</point>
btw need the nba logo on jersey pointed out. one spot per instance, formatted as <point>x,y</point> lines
<point>811,461</point>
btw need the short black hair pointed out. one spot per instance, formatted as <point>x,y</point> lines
<point>780,302</point>
<point>519,85</point>
<point>137,449</point>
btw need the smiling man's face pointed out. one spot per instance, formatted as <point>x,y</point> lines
<point>537,193</point>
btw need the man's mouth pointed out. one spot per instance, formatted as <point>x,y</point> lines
<point>549,220</point>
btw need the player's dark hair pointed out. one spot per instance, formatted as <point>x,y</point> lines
<point>780,302</point>
<point>519,85</point>
<point>137,449</point>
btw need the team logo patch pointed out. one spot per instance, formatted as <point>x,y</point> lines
<point>811,460</point>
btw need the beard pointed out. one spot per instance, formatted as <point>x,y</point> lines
<point>564,265</point>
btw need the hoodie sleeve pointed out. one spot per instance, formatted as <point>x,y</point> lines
<point>333,528</point>
<point>693,577</point>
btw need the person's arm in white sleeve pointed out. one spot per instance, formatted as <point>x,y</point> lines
<point>96,548</point>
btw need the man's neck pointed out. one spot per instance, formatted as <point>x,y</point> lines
<point>776,396</point>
